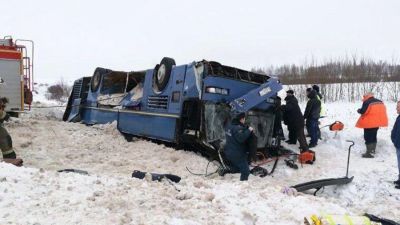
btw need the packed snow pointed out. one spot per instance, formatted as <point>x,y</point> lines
<point>38,194</point>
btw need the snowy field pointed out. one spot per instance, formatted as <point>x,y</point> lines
<point>37,194</point>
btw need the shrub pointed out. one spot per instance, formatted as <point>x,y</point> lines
<point>59,92</point>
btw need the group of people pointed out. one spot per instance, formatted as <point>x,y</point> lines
<point>239,136</point>
<point>372,117</point>
<point>294,119</point>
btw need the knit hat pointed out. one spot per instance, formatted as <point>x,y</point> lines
<point>316,88</point>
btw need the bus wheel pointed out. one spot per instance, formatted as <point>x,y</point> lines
<point>163,73</point>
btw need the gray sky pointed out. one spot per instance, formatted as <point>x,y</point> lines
<point>75,36</point>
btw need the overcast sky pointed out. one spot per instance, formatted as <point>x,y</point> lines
<point>75,36</point>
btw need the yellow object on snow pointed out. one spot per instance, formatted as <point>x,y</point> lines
<point>327,219</point>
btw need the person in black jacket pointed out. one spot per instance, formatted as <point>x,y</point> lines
<point>319,97</point>
<point>311,115</point>
<point>395,136</point>
<point>288,121</point>
<point>236,148</point>
<point>293,118</point>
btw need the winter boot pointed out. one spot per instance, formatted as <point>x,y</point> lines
<point>368,153</point>
<point>11,157</point>
<point>373,148</point>
<point>15,162</point>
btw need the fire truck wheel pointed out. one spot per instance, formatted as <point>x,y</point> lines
<point>163,72</point>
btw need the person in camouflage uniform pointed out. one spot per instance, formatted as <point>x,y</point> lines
<point>6,147</point>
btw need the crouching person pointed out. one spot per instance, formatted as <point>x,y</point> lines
<point>6,147</point>
<point>373,116</point>
<point>396,141</point>
<point>237,147</point>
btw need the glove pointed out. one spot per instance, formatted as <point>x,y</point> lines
<point>359,110</point>
<point>7,117</point>
<point>251,129</point>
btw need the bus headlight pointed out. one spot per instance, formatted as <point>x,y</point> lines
<point>217,90</point>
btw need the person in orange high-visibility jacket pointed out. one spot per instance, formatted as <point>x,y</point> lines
<point>373,116</point>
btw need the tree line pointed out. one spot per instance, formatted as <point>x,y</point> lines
<point>341,80</point>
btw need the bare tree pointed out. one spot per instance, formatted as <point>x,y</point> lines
<point>59,91</point>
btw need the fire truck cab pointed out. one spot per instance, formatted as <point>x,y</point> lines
<point>16,73</point>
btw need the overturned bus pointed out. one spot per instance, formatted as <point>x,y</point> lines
<point>186,105</point>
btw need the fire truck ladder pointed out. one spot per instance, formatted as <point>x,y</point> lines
<point>27,71</point>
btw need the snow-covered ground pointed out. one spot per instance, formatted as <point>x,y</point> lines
<point>37,194</point>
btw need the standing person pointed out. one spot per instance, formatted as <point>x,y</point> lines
<point>396,141</point>
<point>236,149</point>
<point>294,120</point>
<point>373,116</point>
<point>6,147</point>
<point>291,100</point>
<point>322,112</point>
<point>311,115</point>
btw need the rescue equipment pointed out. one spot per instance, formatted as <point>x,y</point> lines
<point>307,157</point>
<point>318,184</point>
<point>336,126</point>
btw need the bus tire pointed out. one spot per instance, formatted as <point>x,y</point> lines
<point>163,73</point>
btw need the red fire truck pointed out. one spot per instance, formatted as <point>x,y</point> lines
<point>16,73</point>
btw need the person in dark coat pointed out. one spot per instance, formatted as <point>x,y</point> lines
<point>311,115</point>
<point>322,111</point>
<point>236,148</point>
<point>278,130</point>
<point>293,118</point>
<point>316,88</point>
<point>288,121</point>
<point>395,136</point>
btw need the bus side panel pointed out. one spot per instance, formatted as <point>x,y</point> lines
<point>151,126</point>
<point>98,115</point>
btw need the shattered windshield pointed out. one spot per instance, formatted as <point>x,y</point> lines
<point>217,116</point>
<point>263,124</point>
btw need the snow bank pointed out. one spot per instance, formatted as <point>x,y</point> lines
<point>37,194</point>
